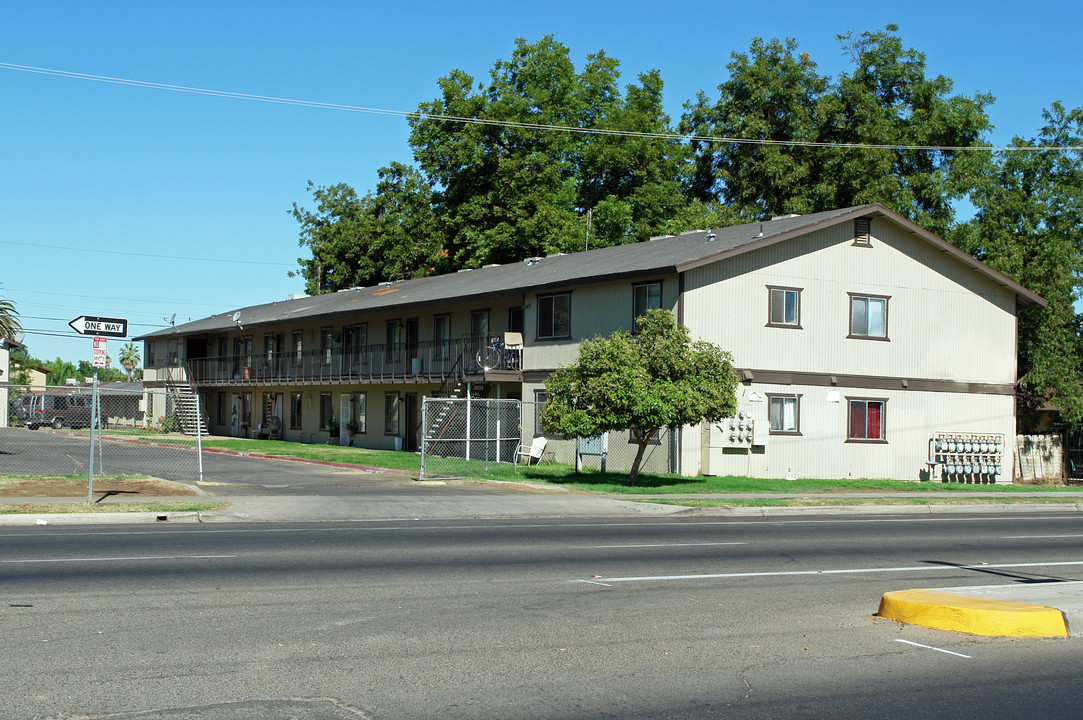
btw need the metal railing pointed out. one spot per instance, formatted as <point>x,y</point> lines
<point>430,361</point>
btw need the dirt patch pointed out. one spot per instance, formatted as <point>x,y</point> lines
<point>58,487</point>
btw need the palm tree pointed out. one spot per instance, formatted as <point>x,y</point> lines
<point>9,319</point>
<point>129,358</point>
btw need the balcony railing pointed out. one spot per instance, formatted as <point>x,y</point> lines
<point>430,361</point>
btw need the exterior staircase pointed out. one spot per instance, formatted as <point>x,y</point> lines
<point>185,406</point>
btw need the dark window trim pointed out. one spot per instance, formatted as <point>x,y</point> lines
<point>797,413</point>
<point>786,326</point>
<point>539,336</point>
<point>850,317</point>
<point>645,283</point>
<point>883,421</point>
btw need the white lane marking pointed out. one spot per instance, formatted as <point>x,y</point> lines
<point>845,571</point>
<point>1036,537</point>
<point>606,547</point>
<point>930,647</point>
<point>120,559</point>
<point>594,582</point>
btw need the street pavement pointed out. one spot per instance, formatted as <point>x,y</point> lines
<point>1023,610</point>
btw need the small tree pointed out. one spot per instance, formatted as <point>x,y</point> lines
<point>644,382</point>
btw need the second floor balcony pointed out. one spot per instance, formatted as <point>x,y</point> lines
<point>422,362</point>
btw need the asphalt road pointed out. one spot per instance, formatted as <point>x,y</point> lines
<point>678,618</point>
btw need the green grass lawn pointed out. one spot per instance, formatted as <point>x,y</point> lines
<point>586,481</point>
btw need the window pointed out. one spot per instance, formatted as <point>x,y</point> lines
<point>554,316</point>
<point>785,307</point>
<point>868,316</point>
<point>515,319</point>
<point>295,411</point>
<point>441,336</point>
<point>298,358</point>
<point>354,339</point>
<point>647,296</point>
<point>391,413</point>
<point>784,414</point>
<point>540,396</point>
<point>172,354</point>
<point>220,415</point>
<point>866,420</point>
<point>326,409</point>
<point>326,340</point>
<point>479,325</point>
<point>361,411</point>
<point>150,354</point>
<point>861,232</point>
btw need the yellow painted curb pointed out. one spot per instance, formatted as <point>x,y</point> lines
<point>973,615</point>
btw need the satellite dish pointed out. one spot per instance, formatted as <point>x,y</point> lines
<point>237,319</point>
<point>171,320</point>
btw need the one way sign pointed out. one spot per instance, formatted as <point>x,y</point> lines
<point>102,326</point>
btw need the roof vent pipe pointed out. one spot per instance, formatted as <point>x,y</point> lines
<point>710,235</point>
<point>761,231</point>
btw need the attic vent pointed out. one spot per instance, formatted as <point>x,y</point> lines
<point>385,283</point>
<point>786,217</point>
<point>490,265</point>
<point>532,260</point>
<point>551,255</point>
<point>861,232</point>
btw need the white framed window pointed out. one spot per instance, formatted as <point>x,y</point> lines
<point>391,413</point>
<point>868,316</point>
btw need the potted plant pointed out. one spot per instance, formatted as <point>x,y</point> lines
<point>352,427</point>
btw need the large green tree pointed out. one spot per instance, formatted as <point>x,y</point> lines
<point>1029,226</point>
<point>657,378</point>
<point>129,358</point>
<point>775,94</point>
<point>508,189</point>
<point>357,241</point>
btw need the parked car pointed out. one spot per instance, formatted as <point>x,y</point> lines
<point>58,408</point>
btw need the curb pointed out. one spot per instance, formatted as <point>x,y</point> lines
<point>102,518</point>
<point>973,615</point>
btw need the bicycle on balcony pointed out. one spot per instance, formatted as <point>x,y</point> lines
<point>501,354</point>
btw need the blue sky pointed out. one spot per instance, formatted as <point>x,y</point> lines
<point>180,202</point>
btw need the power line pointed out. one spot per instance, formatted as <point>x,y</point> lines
<point>149,255</point>
<point>526,125</point>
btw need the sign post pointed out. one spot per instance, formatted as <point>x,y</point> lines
<point>101,328</point>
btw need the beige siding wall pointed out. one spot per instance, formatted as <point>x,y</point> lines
<point>911,419</point>
<point>595,310</point>
<point>945,321</point>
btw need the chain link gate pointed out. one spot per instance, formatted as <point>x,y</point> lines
<point>460,437</point>
<point>122,429</point>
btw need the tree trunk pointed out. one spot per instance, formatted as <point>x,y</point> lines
<point>643,441</point>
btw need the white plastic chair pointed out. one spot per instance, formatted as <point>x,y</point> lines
<point>533,451</point>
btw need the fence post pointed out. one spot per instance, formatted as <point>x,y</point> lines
<point>199,436</point>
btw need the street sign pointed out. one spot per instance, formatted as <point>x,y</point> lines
<point>106,327</point>
<point>97,353</point>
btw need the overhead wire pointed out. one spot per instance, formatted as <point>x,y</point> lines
<point>420,115</point>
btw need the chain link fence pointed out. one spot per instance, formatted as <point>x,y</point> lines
<point>71,430</point>
<point>611,452</point>
<point>463,437</point>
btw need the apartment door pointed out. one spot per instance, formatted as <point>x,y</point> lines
<point>412,423</point>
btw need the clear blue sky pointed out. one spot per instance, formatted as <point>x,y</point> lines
<point>197,189</point>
